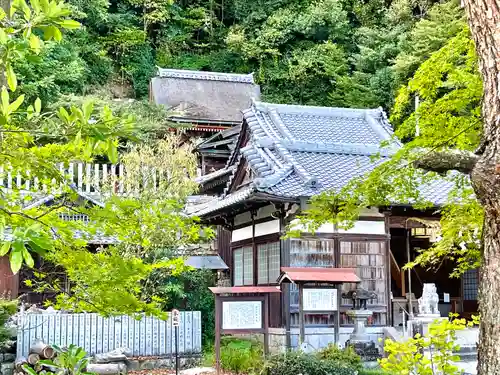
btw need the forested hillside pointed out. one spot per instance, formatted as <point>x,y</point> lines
<point>351,53</point>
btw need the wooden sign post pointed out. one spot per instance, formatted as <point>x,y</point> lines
<point>176,320</point>
<point>240,310</point>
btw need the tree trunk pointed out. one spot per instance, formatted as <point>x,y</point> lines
<point>484,21</point>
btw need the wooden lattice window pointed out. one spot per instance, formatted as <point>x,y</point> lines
<point>470,285</point>
<point>369,260</point>
<point>310,253</point>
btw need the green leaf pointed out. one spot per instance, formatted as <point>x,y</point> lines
<point>16,256</point>
<point>5,100</point>
<point>42,242</point>
<point>28,258</point>
<point>69,24</point>
<point>112,151</point>
<point>35,4</point>
<point>3,36</point>
<point>57,34</point>
<point>11,77</point>
<point>37,249</point>
<point>38,105</point>
<point>35,44</point>
<point>16,104</point>
<point>45,5</point>
<point>29,370</point>
<point>63,114</point>
<point>88,108</point>
<point>5,248</point>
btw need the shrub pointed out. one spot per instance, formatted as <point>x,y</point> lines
<point>237,355</point>
<point>293,363</point>
<point>345,356</point>
<point>375,371</point>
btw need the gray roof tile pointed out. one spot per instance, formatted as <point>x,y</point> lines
<point>301,151</point>
<point>196,96</point>
<point>208,76</point>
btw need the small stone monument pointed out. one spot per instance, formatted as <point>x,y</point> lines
<point>359,340</point>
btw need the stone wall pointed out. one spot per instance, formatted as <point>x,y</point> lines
<point>317,338</point>
<point>7,363</point>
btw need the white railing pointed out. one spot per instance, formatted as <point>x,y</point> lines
<point>89,178</point>
<point>94,179</point>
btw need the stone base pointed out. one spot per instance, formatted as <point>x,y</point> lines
<point>368,351</point>
<point>424,321</point>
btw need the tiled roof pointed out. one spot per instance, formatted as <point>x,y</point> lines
<point>213,175</point>
<point>301,151</point>
<point>209,98</point>
<point>208,76</point>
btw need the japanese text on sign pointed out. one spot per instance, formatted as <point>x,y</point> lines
<point>242,315</point>
<point>176,318</point>
<point>320,299</point>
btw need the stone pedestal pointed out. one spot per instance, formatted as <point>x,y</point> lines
<point>360,318</point>
<point>423,321</point>
<point>359,339</point>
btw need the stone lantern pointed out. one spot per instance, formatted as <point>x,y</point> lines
<point>359,340</point>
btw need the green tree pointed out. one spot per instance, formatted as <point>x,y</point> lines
<point>40,145</point>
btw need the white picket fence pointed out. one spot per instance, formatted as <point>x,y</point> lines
<point>96,334</point>
<point>92,179</point>
<point>89,178</point>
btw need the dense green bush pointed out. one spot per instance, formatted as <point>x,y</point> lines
<point>375,371</point>
<point>293,363</point>
<point>237,356</point>
<point>345,356</point>
<point>241,356</point>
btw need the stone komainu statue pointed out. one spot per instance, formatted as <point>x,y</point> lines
<point>359,296</point>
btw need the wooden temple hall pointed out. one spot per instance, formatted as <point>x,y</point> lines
<point>284,154</point>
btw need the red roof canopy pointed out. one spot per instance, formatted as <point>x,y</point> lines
<point>325,275</point>
<point>245,289</point>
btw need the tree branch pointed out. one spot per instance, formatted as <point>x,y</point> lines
<point>444,161</point>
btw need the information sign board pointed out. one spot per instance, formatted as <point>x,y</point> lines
<point>320,299</point>
<point>241,314</point>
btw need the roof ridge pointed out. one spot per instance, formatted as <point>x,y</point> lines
<point>313,110</point>
<point>306,177</point>
<point>203,75</point>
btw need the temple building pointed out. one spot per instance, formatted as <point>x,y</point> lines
<point>286,154</point>
<point>205,106</point>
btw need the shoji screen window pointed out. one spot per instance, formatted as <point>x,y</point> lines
<point>268,262</point>
<point>243,266</point>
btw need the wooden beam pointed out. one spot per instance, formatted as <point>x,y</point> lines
<point>302,327</point>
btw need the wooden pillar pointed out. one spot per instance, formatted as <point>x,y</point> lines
<point>285,288</point>
<point>337,313</point>
<point>218,323</point>
<point>266,325</point>
<point>253,213</point>
<point>302,325</point>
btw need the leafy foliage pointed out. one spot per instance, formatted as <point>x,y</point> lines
<point>449,88</point>
<point>298,362</point>
<point>188,291</point>
<point>345,356</point>
<point>7,309</point>
<point>408,357</point>
<point>70,360</point>
<point>324,52</point>
<point>40,145</point>
<point>238,356</point>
